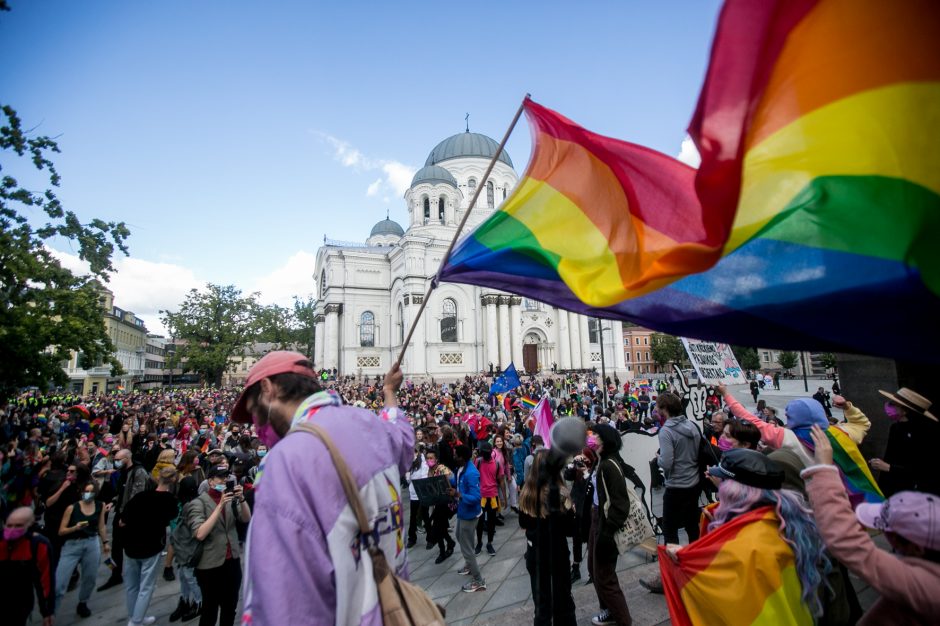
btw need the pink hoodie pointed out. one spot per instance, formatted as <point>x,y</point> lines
<point>909,587</point>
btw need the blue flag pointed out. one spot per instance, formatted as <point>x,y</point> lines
<point>506,381</point>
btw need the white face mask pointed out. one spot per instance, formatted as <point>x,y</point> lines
<point>87,496</point>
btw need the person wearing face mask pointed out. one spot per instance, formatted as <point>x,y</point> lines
<point>213,517</point>
<point>82,527</point>
<point>132,480</point>
<point>738,434</point>
<point>439,534</point>
<point>910,462</point>
<point>301,506</point>
<point>25,570</point>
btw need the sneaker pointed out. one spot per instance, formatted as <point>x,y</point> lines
<point>181,608</point>
<point>441,557</point>
<point>603,618</point>
<point>195,610</point>
<point>478,549</point>
<point>114,581</point>
<point>429,545</point>
<point>464,571</point>
<point>474,585</point>
<point>168,574</point>
<point>83,610</point>
<point>490,549</point>
<point>653,585</point>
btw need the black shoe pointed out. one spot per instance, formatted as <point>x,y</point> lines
<point>195,610</point>
<point>181,608</point>
<point>429,545</point>
<point>168,574</point>
<point>442,556</point>
<point>114,581</point>
<point>490,549</point>
<point>83,610</point>
<point>73,581</point>
<point>575,573</point>
<point>589,581</point>
<point>412,543</point>
<point>478,549</point>
<point>515,509</point>
<point>500,522</point>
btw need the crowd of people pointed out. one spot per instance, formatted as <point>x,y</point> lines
<point>212,488</point>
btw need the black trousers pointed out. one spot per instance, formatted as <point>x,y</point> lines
<point>439,534</point>
<point>117,548</point>
<point>487,521</point>
<point>681,510</point>
<point>220,588</point>
<point>417,512</point>
<point>603,569</point>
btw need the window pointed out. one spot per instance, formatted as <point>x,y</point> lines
<point>638,357</point>
<point>627,354</point>
<point>646,341</point>
<point>401,324</point>
<point>490,198</point>
<point>427,208</point>
<point>647,356</point>
<point>367,329</point>
<point>594,331</point>
<point>504,191</point>
<point>472,186</point>
<point>531,305</point>
<point>440,209</point>
<point>449,321</point>
<point>767,357</point>
<point>637,341</point>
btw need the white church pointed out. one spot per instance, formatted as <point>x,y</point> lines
<point>370,292</point>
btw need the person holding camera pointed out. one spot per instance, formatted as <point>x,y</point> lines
<point>212,517</point>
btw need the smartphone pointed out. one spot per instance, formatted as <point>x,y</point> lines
<point>83,523</point>
<point>230,485</point>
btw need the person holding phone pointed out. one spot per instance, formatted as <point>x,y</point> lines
<point>212,517</point>
<point>82,528</point>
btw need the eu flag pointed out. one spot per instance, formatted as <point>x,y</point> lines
<point>506,381</point>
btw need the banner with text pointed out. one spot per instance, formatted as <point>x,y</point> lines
<point>714,362</point>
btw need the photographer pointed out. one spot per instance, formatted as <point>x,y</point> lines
<point>822,397</point>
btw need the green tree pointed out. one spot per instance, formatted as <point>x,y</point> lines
<point>829,361</point>
<point>666,349</point>
<point>276,324</point>
<point>46,311</point>
<point>305,329</point>
<point>747,358</point>
<point>216,324</point>
<point>788,359</point>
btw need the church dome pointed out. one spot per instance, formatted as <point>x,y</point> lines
<point>466,144</point>
<point>433,174</point>
<point>387,227</point>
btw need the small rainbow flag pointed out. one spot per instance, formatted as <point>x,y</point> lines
<point>818,193</point>
<point>741,573</point>
<point>859,483</point>
<point>529,402</point>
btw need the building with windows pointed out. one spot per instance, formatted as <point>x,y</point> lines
<point>637,351</point>
<point>370,292</point>
<point>769,362</point>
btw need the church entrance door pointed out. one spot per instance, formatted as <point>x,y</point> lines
<point>530,357</point>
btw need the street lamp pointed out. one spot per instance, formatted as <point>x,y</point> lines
<point>600,335</point>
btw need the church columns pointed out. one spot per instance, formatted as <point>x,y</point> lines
<point>318,339</point>
<point>564,340</point>
<point>515,329</point>
<point>574,332</point>
<point>504,346</point>
<point>492,338</point>
<point>585,342</point>
<point>616,342</point>
<point>418,346</point>
<point>331,349</point>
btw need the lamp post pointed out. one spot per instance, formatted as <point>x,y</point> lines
<point>600,336</point>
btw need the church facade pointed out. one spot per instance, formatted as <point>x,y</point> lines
<point>369,293</point>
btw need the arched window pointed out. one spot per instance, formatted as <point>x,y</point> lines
<point>505,191</point>
<point>427,208</point>
<point>449,321</point>
<point>594,330</point>
<point>440,209</point>
<point>490,197</point>
<point>323,284</point>
<point>401,324</point>
<point>472,186</point>
<point>367,329</point>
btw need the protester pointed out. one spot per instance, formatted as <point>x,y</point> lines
<point>418,512</point>
<point>490,467</point>
<point>145,519</point>
<point>301,506</point>
<point>679,442</point>
<point>910,461</point>
<point>582,494</point>
<point>82,528</point>
<point>133,479</point>
<point>439,532</point>
<point>26,570</point>
<point>907,580</point>
<point>469,510</point>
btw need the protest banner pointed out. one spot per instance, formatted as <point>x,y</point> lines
<point>713,362</point>
<point>433,490</point>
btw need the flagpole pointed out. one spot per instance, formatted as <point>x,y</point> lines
<point>463,222</point>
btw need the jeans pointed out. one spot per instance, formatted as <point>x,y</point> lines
<point>681,510</point>
<point>189,588</point>
<point>465,531</point>
<point>86,552</point>
<point>140,578</point>
<point>220,587</point>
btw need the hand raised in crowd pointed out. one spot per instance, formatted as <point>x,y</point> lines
<point>721,390</point>
<point>823,449</point>
<point>393,378</point>
<point>839,402</point>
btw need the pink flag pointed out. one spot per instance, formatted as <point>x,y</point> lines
<point>543,420</point>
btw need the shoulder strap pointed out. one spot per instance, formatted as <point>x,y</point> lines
<point>345,476</point>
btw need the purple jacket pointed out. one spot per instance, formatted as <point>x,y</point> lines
<point>303,559</point>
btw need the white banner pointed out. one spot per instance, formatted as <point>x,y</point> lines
<point>714,362</point>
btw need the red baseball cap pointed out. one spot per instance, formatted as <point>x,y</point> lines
<point>271,364</point>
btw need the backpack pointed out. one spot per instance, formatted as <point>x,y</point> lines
<point>187,550</point>
<point>706,459</point>
<point>402,603</point>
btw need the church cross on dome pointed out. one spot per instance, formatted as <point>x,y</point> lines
<point>467,120</point>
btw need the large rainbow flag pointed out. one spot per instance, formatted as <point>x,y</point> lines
<point>740,573</point>
<point>814,214</point>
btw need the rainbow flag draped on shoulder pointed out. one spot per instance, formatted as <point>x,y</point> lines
<point>812,220</point>
<point>859,483</point>
<point>716,580</point>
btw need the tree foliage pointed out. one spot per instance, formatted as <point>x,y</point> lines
<point>747,358</point>
<point>666,349</point>
<point>829,361</point>
<point>288,328</point>
<point>46,312</point>
<point>215,324</point>
<point>305,330</point>
<point>788,359</point>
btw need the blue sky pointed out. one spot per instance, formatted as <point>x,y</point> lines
<point>232,136</point>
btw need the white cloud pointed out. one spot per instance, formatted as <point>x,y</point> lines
<point>294,278</point>
<point>397,175</point>
<point>688,153</point>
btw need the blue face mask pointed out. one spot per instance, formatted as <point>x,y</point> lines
<point>219,488</point>
<point>118,464</point>
<point>262,452</point>
<point>87,496</point>
<point>202,431</point>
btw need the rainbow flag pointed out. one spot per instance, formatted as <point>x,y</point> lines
<point>817,199</point>
<point>859,483</point>
<point>741,573</point>
<point>529,402</point>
